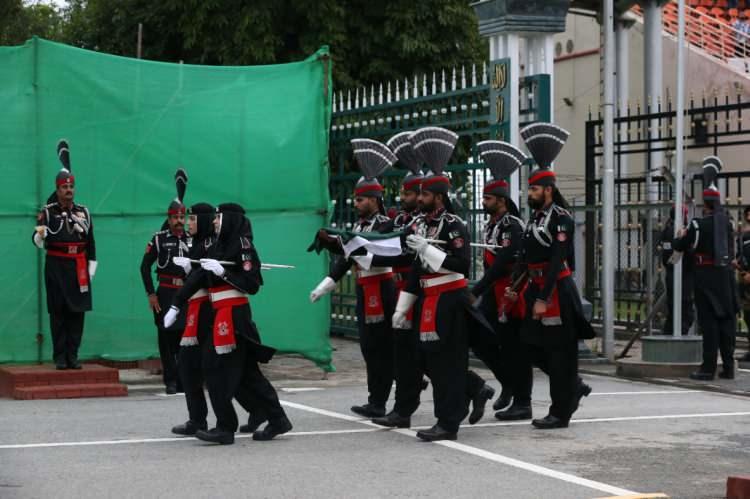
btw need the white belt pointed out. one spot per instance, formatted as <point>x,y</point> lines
<point>199,294</point>
<point>437,281</point>
<point>226,295</point>
<point>374,271</point>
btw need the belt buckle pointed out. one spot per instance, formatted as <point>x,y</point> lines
<point>178,282</point>
<point>72,250</point>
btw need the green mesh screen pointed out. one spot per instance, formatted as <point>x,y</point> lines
<point>254,135</point>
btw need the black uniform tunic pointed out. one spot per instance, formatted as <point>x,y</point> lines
<point>163,246</point>
<point>70,246</point>
<point>743,261</point>
<point>715,291</point>
<point>375,334</point>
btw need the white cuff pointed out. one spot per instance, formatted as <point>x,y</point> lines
<point>364,261</point>
<point>92,267</point>
<point>405,302</point>
<point>326,286</point>
<point>433,258</point>
<point>38,240</point>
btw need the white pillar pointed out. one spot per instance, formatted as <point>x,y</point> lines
<point>680,158</point>
<point>608,185</point>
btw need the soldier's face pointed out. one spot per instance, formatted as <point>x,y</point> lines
<point>365,205</point>
<point>491,204</point>
<point>408,200</point>
<point>536,196</point>
<point>177,222</point>
<point>427,201</point>
<point>65,192</point>
<point>193,224</point>
<point>217,223</point>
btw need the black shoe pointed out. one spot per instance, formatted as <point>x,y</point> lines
<point>253,423</point>
<point>549,423</point>
<point>189,428</point>
<point>436,433</point>
<point>393,420</point>
<point>369,410</point>
<point>479,401</point>
<point>171,389</point>
<point>583,390</point>
<point>424,383</point>
<point>503,401</point>
<point>702,376</point>
<point>216,436</point>
<point>514,413</point>
<point>727,374</point>
<point>273,430</point>
<point>61,366</point>
<point>74,364</point>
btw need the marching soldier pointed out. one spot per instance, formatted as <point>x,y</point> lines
<point>709,241</point>
<point>375,286</point>
<point>502,235</point>
<point>232,270</point>
<point>166,244</point>
<point>554,320</point>
<point>666,240</point>
<point>65,230</point>
<point>743,265</point>
<point>437,287</point>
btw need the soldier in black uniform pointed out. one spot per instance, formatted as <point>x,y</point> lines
<point>709,241</point>
<point>65,229</point>
<point>231,271</point>
<point>666,239</point>
<point>554,320</point>
<point>743,265</point>
<point>437,287</point>
<point>376,291</point>
<point>502,234</point>
<point>170,242</point>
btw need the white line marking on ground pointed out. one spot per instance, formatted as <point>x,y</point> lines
<point>177,439</point>
<point>744,370</point>
<point>498,458</point>
<point>655,392</point>
<point>302,389</point>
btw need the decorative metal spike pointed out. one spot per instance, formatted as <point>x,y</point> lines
<point>348,100</point>
<point>473,75</point>
<point>463,77</point>
<point>415,88</point>
<point>372,95</point>
<point>380,94</point>
<point>364,96</point>
<point>333,106</point>
<point>397,93</point>
<point>453,83</point>
<point>434,83</point>
<point>356,98</point>
<point>442,84</point>
<point>484,73</point>
<point>341,100</point>
<point>388,94</point>
<point>424,85</point>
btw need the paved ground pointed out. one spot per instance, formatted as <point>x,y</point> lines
<point>628,437</point>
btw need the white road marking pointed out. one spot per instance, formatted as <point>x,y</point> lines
<point>302,389</point>
<point>498,458</point>
<point>655,392</point>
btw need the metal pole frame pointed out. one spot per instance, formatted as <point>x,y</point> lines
<point>608,182</point>
<point>679,166</point>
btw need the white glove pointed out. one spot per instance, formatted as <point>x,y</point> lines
<point>92,268</point>
<point>183,262</point>
<point>171,316</point>
<point>40,235</point>
<point>213,266</point>
<point>326,286</point>
<point>405,302</point>
<point>431,256</point>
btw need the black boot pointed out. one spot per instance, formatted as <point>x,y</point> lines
<point>436,433</point>
<point>189,428</point>
<point>393,420</point>
<point>216,436</point>
<point>74,364</point>
<point>583,390</point>
<point>61,366</point>
<point>253,423</point>
<point>171,388</point>
<point>273,430</point>
<point>514,413</point>
<point>479,401</point>
<point>702,376</point>
<point>727,373</point>
<point>549,423</point>
<point>503,401</point>
<point>369,410</point>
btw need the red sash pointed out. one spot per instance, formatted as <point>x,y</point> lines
<point>223,331</point>
<point>428,321</point>
<point>77,252</point>
<point>552,316</point>
<point>374,311</point>
<point>190,334</point>
<point>170,281</point>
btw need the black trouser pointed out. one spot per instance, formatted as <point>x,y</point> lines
<point>408,371</point>
<point>515,369</point>
<point>688,316</point>
<point>447,364</point>
<point>236,374</point>
<point>190,366</point>
<point>560,362</point>
<point>66,327</point>
<point>718,335</point>
<point>474,384</point>
<point>169,349</point>
<point>376,343</point>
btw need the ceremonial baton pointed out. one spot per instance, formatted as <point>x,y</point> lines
<point>474,245</point>
<point>265,266</point>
